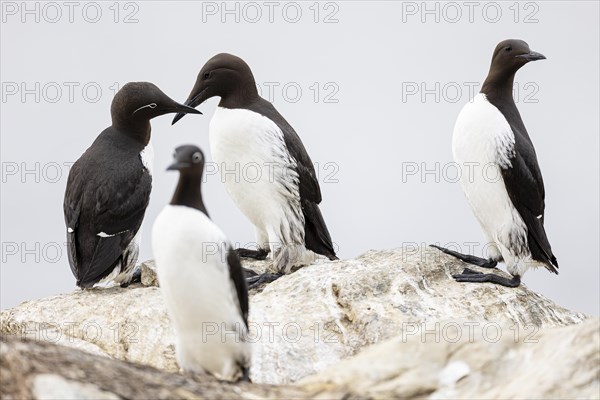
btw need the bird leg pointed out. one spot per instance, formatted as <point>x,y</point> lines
<point>480,262</point>
<point>245,375</point>
<point>469,271</point>
<point>248,272</point>
<point>258,254</point>
<point>469,275</point>
<point>257,280</point>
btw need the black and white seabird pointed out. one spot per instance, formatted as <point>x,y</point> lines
<point>201,279</point>
<point>246,130</point>
<point>509,205</point>
<point>108,189</point>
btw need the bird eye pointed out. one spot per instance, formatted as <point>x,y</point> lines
<point>197,157</point>
<point>207,75</point>
<point>508,49</point>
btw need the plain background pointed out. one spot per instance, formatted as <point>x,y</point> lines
<point>371,57</point>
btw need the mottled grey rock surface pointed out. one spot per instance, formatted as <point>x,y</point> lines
<point>302,323</point>
<point>40,370</point>
<point>552,363</point>
<point>560,362</point>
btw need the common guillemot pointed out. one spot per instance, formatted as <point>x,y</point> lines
<point>201,279</point>
<point>247,130</point>
<point>109,186</point>
<point>509,206</point>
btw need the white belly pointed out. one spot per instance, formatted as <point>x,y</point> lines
<point>191,258</point>
<point>482,142</point>
<point>258,172</point>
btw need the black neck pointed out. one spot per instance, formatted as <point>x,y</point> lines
<point>498,89</point>
<point>242,96</point>
<point>498,86</point>
<point>188,192</point>
<point>134,128</point>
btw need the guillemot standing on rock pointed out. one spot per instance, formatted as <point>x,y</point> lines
<point>509,206</point>
<point>201,279</point>
<point>108,189</point>
<point>246,130</point>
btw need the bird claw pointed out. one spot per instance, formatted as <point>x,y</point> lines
<point>257,280</point>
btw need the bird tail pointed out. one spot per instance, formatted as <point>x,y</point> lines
<point>316,234</point>
<point>538,243</point>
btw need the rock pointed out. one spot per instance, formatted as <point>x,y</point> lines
<point>553,363</point>
<point>149,277</point>
<point>40,370</point>
<point>127,324</point>
<point>562,362</point>
<point>342,306</point>
<point>53,386</point>
<point>302,323</point>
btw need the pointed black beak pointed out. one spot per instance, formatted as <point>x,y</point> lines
<point>177,165</point>
<point>181,115</point>
<point>197,97</point>
<point>182,109</point>
<point>533,56</point>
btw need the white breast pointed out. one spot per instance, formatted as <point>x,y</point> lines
<point>147,157</point>
<point>191,258</point>
<point>258,172</point>
<point>482,143</point>
<point>482,134</point>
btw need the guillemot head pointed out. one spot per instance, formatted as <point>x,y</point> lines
<point>136,103</point>
<point>512,54</point>
<point>509,56</point>
<point>226,76</point>
<point>188,159</point>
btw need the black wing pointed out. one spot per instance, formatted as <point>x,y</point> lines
<point>111,204</point>
<point>72,211</point>
<point>525,188</point>
<point>309,185</point>
<point>236,275</point>
<point>317,235</point>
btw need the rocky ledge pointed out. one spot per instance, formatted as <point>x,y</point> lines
<point>320,329</point>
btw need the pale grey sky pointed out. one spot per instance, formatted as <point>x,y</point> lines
<point>372,88</point>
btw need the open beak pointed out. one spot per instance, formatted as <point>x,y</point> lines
<point>533,56</point>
